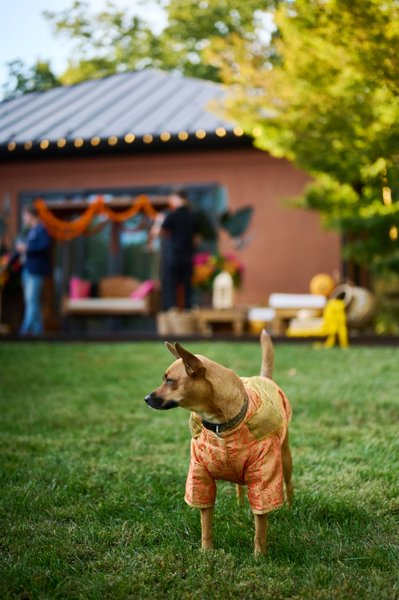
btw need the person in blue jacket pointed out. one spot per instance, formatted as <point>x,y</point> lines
<point>37,266</point>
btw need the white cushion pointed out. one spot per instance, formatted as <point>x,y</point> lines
<point>111,305</point>
<point>297,301</point>
<point>259,313</point>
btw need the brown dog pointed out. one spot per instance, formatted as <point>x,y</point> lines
<point>239,433</point>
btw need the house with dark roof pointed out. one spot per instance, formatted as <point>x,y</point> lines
<point>144,133</point>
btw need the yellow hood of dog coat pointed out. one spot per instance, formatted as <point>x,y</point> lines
<point>249,454</point>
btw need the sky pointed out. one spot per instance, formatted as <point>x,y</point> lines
<point>27,35</point>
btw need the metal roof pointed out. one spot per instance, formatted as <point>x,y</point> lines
<point>126,109</point>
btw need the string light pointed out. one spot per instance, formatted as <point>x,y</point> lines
<point>129,138</point>
<point>165,136</point>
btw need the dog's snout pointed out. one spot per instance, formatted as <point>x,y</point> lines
<point>160,403</point>
<point>153,401</point>
<point>148,398</point>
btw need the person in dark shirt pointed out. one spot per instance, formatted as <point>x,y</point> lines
<point>36,267</point>
<point>178,233</point>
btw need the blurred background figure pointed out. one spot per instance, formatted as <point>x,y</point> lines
<point>178,234</point>
<point>36,256</point>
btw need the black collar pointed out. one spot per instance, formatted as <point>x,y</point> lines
<point>221,427</point>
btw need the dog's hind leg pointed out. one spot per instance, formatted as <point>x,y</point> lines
<point>287,469</point>
<point>267,365</point>
<point>206,528</point>
<point>240,494</point>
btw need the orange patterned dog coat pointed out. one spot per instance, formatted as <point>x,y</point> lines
<point>249,454</point>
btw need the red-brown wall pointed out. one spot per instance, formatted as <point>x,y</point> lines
<point>287,247</point>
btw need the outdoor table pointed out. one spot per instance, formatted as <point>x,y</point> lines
<point>235,317</point>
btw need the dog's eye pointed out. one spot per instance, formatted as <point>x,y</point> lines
<point>169,381</point>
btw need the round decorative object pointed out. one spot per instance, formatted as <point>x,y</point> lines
<point>360,304</point>
<point>322,284</point>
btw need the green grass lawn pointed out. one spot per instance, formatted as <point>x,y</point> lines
<point>92,480</point>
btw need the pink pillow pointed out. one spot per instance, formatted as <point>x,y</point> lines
<point>79,288</point>
<point>144,288</point>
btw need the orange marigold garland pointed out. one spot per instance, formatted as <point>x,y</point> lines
<point>68,230</point>
<point>141,203</point>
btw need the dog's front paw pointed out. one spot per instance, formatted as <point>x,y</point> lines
<point>260,550</point>
<point>206,545</point>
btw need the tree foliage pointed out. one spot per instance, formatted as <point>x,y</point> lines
<point>114,40</point>
<point>196,28</point>
<point>23,79</point>
<point>330,103</point>
<point>106,42</point>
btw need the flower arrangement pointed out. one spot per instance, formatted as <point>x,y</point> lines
<point>207,266</point>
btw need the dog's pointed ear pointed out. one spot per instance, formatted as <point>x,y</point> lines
<point>193,365</point>
<point>172,349</point>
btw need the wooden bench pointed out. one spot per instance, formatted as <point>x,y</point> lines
<point>114,300</point>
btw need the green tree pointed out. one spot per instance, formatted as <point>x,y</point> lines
<point>195,29</point>
<point>330,103</point>
<point>113,40</point>
<point>23,79</point>
<point>106,42</point>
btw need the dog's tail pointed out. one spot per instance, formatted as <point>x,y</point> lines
<point>267,365</point>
